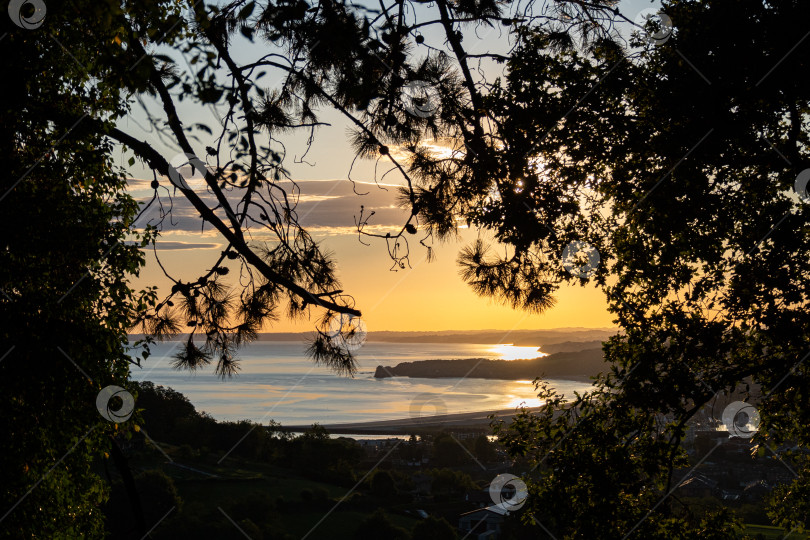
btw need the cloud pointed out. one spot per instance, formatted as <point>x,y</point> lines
<point>441,148</point>
<point>319,204</point>
<point>171,245</point>
<point>135,185</point>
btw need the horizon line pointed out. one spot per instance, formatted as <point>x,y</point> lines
<point>560,328</point>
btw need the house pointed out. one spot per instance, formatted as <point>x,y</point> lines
<point>697,486</point>
<point>482,524</point>
<point>374,447</point>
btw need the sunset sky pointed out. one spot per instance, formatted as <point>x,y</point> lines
<point>428,296</point>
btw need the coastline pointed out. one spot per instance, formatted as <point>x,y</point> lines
<point>458,422</point>
<point>277,383</point>
<point>580,366</point>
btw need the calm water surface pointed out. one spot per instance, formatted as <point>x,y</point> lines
<point>277,381</point>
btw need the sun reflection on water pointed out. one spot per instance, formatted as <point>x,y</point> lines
<point>513,352</point>
<point>525,402</point>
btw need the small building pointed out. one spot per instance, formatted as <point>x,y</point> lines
<point>697,485</point>
<point>482,524</point>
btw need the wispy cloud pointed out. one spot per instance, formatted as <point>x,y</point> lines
<point>325,206</point>
<point>161,244</point>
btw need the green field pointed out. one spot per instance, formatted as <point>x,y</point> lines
<point>768,533</point>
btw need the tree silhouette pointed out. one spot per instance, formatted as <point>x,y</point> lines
<point>77,71</point>
<point>66,301</point>
<point>590,159</point>
<point>379,525</point>
<point>433,528</point>
<point>682,159</point>
<point>359,60</point>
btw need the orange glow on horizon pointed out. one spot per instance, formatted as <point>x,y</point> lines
<point>427,297</point>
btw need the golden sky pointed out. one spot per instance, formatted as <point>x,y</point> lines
<point>429,296</point>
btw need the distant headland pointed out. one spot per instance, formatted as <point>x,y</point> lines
<point>576,366</point>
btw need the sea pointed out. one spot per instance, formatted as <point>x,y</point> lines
<point>278,382</point>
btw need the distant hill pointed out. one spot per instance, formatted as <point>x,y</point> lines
<point>571,346</point>
<point>579,365</point>
<point>539,338</point>
<point>562,339</point>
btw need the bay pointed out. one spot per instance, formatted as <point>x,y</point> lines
<point>277,381</point>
